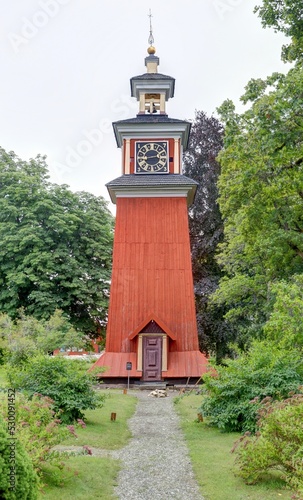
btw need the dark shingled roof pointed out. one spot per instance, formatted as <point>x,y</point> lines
<point>152,180</point>
<point>152,76</point>
<point>151,118</point>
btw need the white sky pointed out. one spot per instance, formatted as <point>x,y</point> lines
<point>66,64</point>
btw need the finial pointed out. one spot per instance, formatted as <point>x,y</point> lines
<point>151,49</point>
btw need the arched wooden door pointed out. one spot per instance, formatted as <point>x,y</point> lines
<point>152,358</point>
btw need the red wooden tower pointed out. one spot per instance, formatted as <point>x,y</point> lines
<point>152,317</point>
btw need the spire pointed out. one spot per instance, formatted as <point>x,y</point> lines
<point>151,49</point>
<point>151,61</point>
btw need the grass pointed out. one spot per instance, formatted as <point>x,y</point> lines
<point>100,431</point>
<point>89,478</point>
<point>95,477</point>
<point>213,462</point>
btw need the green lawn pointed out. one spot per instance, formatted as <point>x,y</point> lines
<point>93,477</point>
<point>89,478</point>
<point>213,462</point>
<point>100,431</point>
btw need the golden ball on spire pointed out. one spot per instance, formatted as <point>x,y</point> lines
<point>151,50</point>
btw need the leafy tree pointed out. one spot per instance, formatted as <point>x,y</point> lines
<point>58,332</point>
<point>55,246</point>
<point>206,230</point>
<point>62,380</point>
<point>261,197</point>
<point>26,336</point>
<point>266,370</point>
<point>285,325</point>
<point>285,16</point>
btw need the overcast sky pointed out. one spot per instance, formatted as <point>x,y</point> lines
<point>66,64</point>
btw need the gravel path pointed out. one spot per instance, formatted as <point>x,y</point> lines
<point>155,463</point>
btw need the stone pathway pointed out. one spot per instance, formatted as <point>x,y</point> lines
<point>156,464</point>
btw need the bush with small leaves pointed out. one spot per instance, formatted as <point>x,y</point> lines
<point>278,445</point>
<point>38,428</point>
<point>63,380</point>
<point>266,370</point>
<point>18,479</point>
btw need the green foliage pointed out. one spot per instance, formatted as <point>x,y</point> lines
<point>90,478</point>
<point>91,471</point>
<point>285,324</point>
<point>58,332</point>
<point>38,428</point>
<point>18,480</point>
<point>100,431</point>
<point>6,327</point>
<point>285,16</point>
<point>206,230</point>
<point>55,246</point>
<point>26,336</point>
<point>63,380</point>
<point>261,199</point>
<point>213,463</point>
<point>266,370</point>
<point>277,446</point>
<point>261,182</point>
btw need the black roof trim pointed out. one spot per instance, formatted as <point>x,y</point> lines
<point>152,180</point>
<point>152,76</point>
<point>150,118</point>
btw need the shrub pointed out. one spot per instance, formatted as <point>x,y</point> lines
<point>266,370</point>
<point>62,380</point>
<point>277,446</point>
<point>37,428</point>
<point>18,480</point>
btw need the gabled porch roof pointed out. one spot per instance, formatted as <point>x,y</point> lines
<point>153,317</point>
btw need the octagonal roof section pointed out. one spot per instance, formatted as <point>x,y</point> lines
<point>152,83</point>
<point>152,185</point>
<point>152,126</point>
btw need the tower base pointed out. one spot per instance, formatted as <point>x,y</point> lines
<point>181,365</point>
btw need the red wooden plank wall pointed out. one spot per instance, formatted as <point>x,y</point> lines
<point>152,272</point>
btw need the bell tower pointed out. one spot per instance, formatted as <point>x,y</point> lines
<point>152,327</point>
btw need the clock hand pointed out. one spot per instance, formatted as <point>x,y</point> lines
<point>151,156</point>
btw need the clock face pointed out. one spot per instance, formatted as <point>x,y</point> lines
<point>151,157</point>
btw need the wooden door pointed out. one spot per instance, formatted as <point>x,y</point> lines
<point>152,358</point>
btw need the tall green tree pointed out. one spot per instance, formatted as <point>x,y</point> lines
<point>206,230</point>
<point>285,326</point>
<point>56,246</point>
<point>285,16</point>
<point>261,196</point>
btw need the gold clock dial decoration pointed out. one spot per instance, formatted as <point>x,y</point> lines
<point>151,157</point>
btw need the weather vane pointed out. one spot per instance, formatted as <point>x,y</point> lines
<point>151,36</point>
